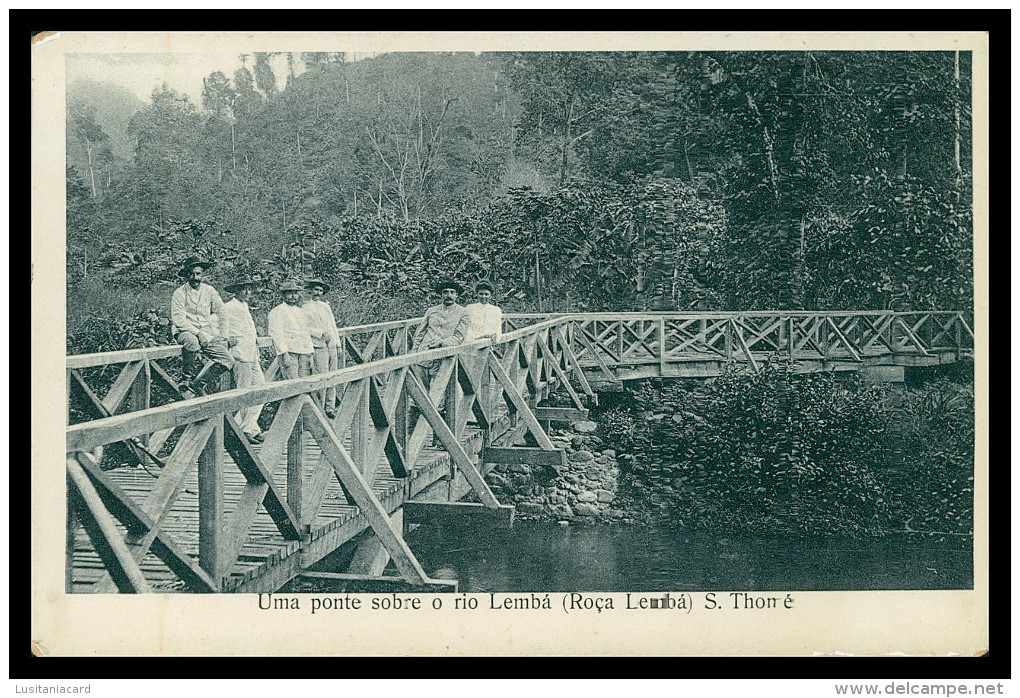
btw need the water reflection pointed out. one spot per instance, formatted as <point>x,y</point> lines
<point>541,556</point>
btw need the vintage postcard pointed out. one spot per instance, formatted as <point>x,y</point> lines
<point>510,343</point>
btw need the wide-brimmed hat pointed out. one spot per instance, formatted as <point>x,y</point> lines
<point>449,283</point>
<point>317,282</point>
<point>239,281</point>
<point>290,285</point>
<point>192,262</point>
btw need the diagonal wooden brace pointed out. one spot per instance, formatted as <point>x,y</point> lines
<point>354,483</point>
<point>119,562</point>
<point>120,504</point>
<point>552,361</point>
<point>523,409</point>
<point>170,483</point>
<point>442,430</point>
<point>256,473</point>
<point>572,360</point>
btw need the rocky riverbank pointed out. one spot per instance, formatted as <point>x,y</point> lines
<point>585,490</point>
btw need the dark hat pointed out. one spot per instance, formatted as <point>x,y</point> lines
<point>449,283</point>
<point>317,282</point>
<point>192,262</point>
<point>239,281</point>
<point>484,285</point>
<point>290,285</point>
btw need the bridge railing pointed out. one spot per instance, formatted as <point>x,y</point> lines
<point>837,337</point>
<point>387,411</point>
<point>142,378</point>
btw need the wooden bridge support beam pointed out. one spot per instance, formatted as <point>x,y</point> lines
<point>210,504</point>
<point>370,555</point>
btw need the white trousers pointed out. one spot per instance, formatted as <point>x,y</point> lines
<point>247,374</point>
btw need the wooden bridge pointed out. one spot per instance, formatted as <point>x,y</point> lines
<point>194,507</point>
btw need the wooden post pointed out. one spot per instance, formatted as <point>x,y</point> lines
<point>619,341</point>
<point>792,339</point>
<point>295,466</point>
<point>210,504</point>
<point>959,337</point>
<point>139,397</point>
<point>784,337</point>
<point>662,346</point>
<point>360,430</point>
<point>69,536</point>
<point>341,362</point>
<point>728,339</point>
<point>67,397</point>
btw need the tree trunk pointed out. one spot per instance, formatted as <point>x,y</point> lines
<point>538,283</point>
<point>92,174</point>
<point>566,141</point>
<point>956,145</point>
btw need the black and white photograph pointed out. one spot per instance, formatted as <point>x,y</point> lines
<point>625,331</point>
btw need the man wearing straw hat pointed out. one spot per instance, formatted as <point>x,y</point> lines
<point>243,343</point>
<point>325,338</point>
<point>288,328</point>
<point>192,309</point>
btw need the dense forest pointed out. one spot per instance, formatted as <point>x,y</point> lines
<point>729,180</point>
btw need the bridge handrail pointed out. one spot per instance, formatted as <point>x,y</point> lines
<point>703,314</point>
<point>88,435</point>
<point>168,351</point>
<point>78,361</point>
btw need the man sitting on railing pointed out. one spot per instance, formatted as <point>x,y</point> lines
<point>192,308</point>
<point>243,343</point>
<point>445,324</point>
<point>288,328</point>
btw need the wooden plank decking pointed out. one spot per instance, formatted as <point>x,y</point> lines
<point>265,548</point>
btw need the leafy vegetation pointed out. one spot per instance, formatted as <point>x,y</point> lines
<point>804,453</point>
<point>575,180</point>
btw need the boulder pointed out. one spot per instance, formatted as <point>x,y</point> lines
<point>497,480</point>
<point>587,497</point>
<point>585,427</point>
<point>581,457</point>
<point>605,496</point>
<point>561,511</point>
<point>610,452</point>
<point>585,509</point>
<point>531,508</point>
<point>519,481</point>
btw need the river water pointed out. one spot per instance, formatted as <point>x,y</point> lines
<point>546,556</point>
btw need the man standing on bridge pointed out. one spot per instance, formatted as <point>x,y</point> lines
<point>243,343</point>
<point>486,318</point>
<point>325,338</point>
<point>192,308</point>
<point>288,328</point>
